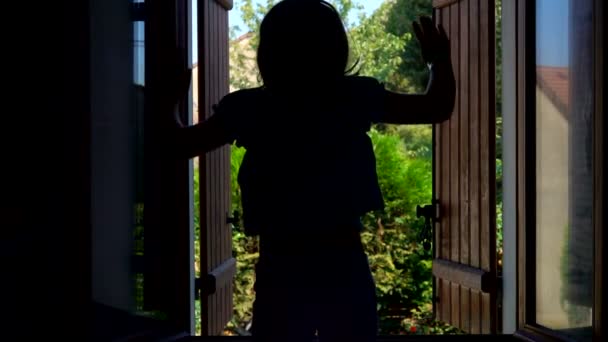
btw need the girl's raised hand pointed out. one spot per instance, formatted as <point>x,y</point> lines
<point>434,42</point>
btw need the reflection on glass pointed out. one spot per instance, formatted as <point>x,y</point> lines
<point>564,108</point>
<point>139,52</point>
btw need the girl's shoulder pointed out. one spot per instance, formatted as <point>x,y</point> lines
<point>239,105</point>
<point>364,99</point>
<point>363,89</point>
<point>242,97</point>
<point>362,82</point>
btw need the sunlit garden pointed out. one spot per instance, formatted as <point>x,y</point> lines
<point>383,47</point>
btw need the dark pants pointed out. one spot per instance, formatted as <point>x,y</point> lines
<point>318,289</point>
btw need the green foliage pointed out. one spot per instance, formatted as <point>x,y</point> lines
<point>499,128</point>
<point>377,51</point>
<point>197,317</point>
<point>412,70</point>
<point>245,248</point>
<point>399,263</point>
<point>422,322</point>
<point>417,140</point>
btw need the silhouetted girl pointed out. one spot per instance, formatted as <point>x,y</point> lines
<point>309,171</point>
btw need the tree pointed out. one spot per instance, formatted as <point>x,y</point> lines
<point>377,51</point>
<point>399,22</point>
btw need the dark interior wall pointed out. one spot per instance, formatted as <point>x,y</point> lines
<point>112,158</point>
<point>44,173</point>
<point>66,87</point>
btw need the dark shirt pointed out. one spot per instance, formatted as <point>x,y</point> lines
<point>309,162</point>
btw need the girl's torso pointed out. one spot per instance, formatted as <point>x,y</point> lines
<point>309,161</point>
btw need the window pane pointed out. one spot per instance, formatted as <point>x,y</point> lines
<point>564,183</point>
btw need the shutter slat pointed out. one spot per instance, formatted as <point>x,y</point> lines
<point>464,134</point>
<point>464,306</point>
<point>445,300</point>
<point>455,149</point>
<point>475,312</point>
<point>444,242</point>
<point>455,305</point>
<point>464,265</point>
<point>444,293</point>
<point>438,187</point>
<point>488,127</point>
<point>474,132</point>
<point>445,176</point>
<point>487,325</point>
<point>217,247</point>
<point>475,308</point>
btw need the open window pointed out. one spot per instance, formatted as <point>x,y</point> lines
<point>465,263</point>
<point>557,149</point>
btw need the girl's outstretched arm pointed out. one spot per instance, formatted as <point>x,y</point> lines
<point>189,141</point>
<point>437,103</point>
<point>196,140</point>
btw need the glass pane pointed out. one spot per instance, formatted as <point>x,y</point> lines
<point>564,183</point>
<point>139,83</point>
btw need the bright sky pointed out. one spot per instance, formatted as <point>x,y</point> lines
<point>234,16</point>
<point>552,32</point>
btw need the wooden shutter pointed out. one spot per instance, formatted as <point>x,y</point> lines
<point>216,235</point>
<point>168,259</point>
<point>465,252</point>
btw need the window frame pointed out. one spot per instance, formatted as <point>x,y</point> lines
<point>525,173</point>
<point>525,109</point>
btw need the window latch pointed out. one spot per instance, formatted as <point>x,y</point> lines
<point>430,213</point>
<point>235,219</point>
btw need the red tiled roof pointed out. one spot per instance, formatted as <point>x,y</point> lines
<point>555,82</point>
<point>244,36</point>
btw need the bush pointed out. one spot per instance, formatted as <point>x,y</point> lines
<point>399,263</point>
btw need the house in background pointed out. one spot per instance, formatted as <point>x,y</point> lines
<point>561,298</point>
<point>552,103</point>
<point>248,68</point>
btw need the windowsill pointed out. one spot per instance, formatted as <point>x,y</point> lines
<point>410,338</point>
<point>111,324</point>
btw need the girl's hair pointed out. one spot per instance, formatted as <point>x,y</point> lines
<point>302,41</point>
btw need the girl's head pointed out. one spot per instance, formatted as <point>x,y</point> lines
<point>302,42</point>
